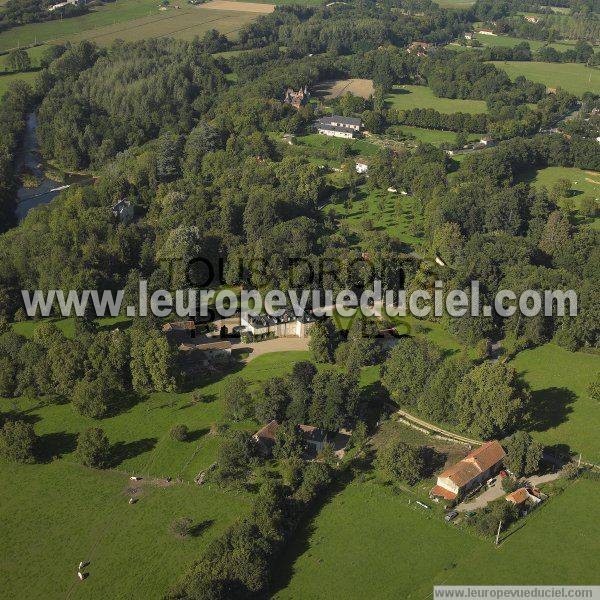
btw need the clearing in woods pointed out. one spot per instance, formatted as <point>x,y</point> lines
<point>338,87</point>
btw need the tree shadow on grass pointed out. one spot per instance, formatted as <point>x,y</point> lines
<point>194,436</point>
<point>198,529</point>
<point>53,445</point>
<point>300,539</point>
<point>550,407</point>
<point>122,451</point>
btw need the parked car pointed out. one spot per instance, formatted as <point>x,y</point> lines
<point>451,515</point>
<point>491,481</point>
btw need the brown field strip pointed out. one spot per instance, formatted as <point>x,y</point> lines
<point>251,7</point>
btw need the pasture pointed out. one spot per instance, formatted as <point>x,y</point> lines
<point>369,542</point>
<point>34,53</point>
<point>57,513</point>
<point>406,97</point>
<point>132,20</point>
<point>572,77</point>
<point>564,412</point>
<point>434,136</point>
<point>507,41</point>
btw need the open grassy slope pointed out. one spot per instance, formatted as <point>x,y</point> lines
<point>371,543</point>
<point>57,513</point>
<point>573,77</point>
<point>129,20</point>
<point>584,184</point>
<point>6,80</point>
<point>566,414</point>
<point>419,96</point>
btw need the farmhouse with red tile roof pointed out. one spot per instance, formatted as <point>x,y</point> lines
<point>478,466</point>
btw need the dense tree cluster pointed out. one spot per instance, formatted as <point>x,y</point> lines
<point>14,106</point>
<point>237,564</point>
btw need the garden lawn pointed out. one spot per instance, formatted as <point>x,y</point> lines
<point>368,542</point>
<point>583,184</point>
<point>572,77</point>
<point>55,515</point>
<point>327,148</point>
<point>406,97</point>
<point>565,413</point>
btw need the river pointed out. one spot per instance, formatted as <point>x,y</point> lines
<point>30,160</point>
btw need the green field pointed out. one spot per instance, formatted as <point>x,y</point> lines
<point>572,77</point>
<point>183,24</point>
<point>368,542</point>
<point>419,96</point>
<point>35,54</point>
<point>55,514</point>
<point>506,41</point>
<point>434,136</point>
<point>6,80</point>
<point>129,20</point>
<point>584,184</point>
<point>323,150</point>
<point>109,14</point>
<point>565,413</point>
<point>382,211</point>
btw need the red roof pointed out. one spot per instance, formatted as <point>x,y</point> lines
<point>438,490</point>
<point>518,496</point>
<point>475,463</point>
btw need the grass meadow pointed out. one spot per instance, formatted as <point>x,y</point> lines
<point>129,20</point>
<point>506,41</point>
<point>369,542</point>
<point>435,136</point>
<point>584,184</point>
<point>406,97</point>
<point>572,77</point>
<point>58,513</point>
<point>565,413</point>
